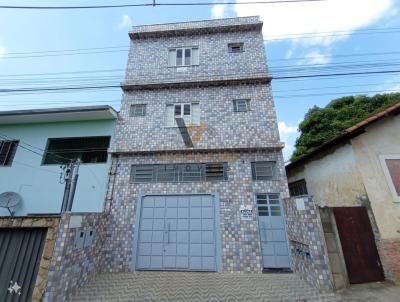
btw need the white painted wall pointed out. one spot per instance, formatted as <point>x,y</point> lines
<point>39,184</point>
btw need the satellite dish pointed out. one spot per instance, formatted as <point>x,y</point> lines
<point>10,200</point>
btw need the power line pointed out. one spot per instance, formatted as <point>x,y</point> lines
<point>154,4</point>
<point>337,93</point>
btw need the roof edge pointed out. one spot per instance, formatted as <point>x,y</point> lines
<point>59,110</point>
<point>347,134</point>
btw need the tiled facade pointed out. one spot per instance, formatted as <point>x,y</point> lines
<point>240,239</point>
<point>307,243</point>
<point>236,138</point>
<point>71,265</point>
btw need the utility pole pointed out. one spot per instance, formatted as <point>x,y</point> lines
<point>73,185</point>
<point>71,179</point>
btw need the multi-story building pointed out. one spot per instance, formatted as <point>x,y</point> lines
<point>198,174</point>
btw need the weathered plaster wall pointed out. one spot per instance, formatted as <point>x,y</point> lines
<point>333,180</point>
<point>382,138</point>
<point>72,266</point>
<point>240,239</point>
<point>51,224</point>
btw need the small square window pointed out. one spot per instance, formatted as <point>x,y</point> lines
<point>138,110</point>
<point>241,105</point>
<point>235,47</point>
<point>263,170</point>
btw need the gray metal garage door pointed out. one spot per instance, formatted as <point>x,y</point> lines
<point>20,254</point>
<point>177,233</point>
<point>274,243</point>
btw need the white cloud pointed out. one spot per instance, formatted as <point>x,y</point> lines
<point>392,85</point>
<point>125,22</point>
<point>316,17</point>
<point>316,57</point>
<point>285,129</point>
<point>218,11</point>
<point>288,135</point>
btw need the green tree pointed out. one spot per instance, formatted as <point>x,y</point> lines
<point>322,124</point>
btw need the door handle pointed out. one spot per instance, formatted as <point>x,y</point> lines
<point>169,227</point>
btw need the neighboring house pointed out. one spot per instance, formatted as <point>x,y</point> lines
<point>199,173</point>
<point>33,145</point>
<point>355,179</point>
<point>45,254</point>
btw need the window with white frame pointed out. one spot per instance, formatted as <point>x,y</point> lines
<point>189,112</point>
<point>183,56</point>
<point>241,105</point>
<point>391,168</point>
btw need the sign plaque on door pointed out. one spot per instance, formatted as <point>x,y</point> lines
<point>246,212</point>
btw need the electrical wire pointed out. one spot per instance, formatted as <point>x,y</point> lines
<point>154,4</point>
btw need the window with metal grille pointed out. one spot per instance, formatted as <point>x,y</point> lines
<point>241,105</point>
<point>179,172</point>
<point>92,149</point>
<point>183,56</point>
<point>235,47</point>
<point>268,205</point>
<point>7,152</point>
<point>138,110</point>
<point>263,170</point>
<point>298,188</point>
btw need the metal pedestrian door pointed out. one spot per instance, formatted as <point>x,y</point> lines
<point>20,254</point>
<point>273,237</point>
<point>177,233</point>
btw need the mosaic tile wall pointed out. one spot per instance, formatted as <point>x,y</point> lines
<point>309,254</point>
<point>240,239</point>
<point>220,127</point>
<point>148,58</point>
<point>220,130</point>
<point>72,266</point>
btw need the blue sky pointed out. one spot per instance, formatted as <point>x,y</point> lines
<point>288,44</point>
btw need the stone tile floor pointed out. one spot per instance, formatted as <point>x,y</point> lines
<point>213,287</point>
<point>193,287</point>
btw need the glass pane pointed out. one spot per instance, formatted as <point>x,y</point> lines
<point>179,54</point>
<point>261,196</point>
<point>186,109</point>
<point>177,110</point>
<point>195,56</point>
<point>393,166</point>
<point>187,56</point>
<point>273,196</point>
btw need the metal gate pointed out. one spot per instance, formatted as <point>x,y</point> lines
<point>271,222</point>
<point>358,245</point>
<point>177,233</point>
<point>20,254</point>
